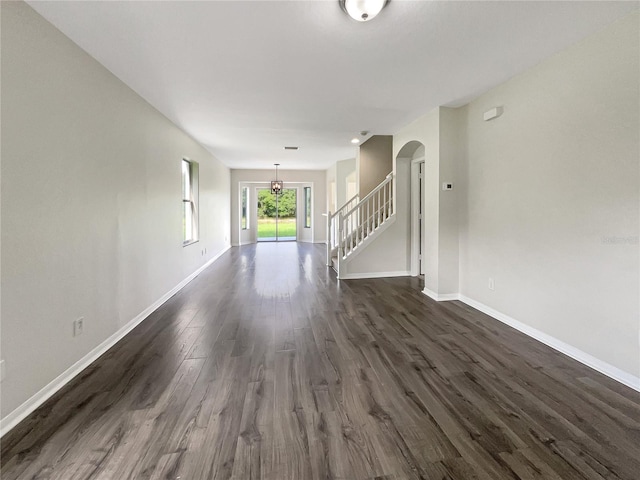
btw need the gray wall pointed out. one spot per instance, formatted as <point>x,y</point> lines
<point>345,172</point>
<point>332,198</point>
<point>551,204</point>
<point>426,130</point>
<point>375,162</point>
<point>388,254</point>
<point>318,179</point>
<point>91,204</point>
<point>545,202</point>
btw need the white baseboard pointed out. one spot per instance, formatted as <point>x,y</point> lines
<point>357,276</point>
<point>601,366</point>
<point>440,297</point>
<point>24,410</point>
<point>301,241</point>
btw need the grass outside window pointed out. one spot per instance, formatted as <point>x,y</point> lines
<point>267,227</point>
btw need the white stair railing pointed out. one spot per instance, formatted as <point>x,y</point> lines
<point>332,226</point>
<point>352,224</point>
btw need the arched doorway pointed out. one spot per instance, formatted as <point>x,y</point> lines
<point>410,167</point>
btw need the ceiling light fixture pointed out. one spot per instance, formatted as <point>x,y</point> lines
<point>355,140</point>
<point>363,10</point>
<point>276,185</point>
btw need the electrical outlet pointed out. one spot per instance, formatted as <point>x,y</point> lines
<point>78,327</point>
<point>3,372</point>
<point>492,285</point>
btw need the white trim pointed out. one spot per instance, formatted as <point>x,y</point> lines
<point>242,244</point>
<point>444,297</point>
<point>605,368</point>
<point>28,407</point>
<point>601,366</point>
<point>416,204</point>
<point>357,276</point>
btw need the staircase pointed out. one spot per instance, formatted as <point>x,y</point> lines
<point>358,222</point>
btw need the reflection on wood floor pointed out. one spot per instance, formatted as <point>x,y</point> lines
<point>266,367</point>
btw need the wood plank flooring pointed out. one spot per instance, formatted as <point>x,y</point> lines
<point>267,367</point>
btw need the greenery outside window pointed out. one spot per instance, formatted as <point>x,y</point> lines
<point>189,202</point>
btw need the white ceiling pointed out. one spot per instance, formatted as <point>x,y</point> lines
<point>247,78</point>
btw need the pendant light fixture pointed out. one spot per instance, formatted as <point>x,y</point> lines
<point>363,10</point>
<point>276,185</point>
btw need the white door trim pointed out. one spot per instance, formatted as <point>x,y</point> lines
<point>415,215</point>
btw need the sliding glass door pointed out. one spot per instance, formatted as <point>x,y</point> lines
<point>277,215</point>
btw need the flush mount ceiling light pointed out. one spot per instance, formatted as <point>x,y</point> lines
<point>356,140</point>
<point>363,10</point>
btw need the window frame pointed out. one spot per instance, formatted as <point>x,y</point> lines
<point>244,208</point>
<point>308,202</point>
<point>190,196</point>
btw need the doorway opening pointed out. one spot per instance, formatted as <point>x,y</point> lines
<point>417,216</point>
<point>277,219</point>
<point>412,157</point>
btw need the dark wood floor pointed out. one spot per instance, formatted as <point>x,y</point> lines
<point>266,367</point>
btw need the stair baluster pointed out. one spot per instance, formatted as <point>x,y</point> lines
<point>357,220</point>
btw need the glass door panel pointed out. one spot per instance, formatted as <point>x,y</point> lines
<point>277,215</point>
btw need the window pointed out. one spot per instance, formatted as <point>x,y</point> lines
<point>244,222</point>
<point>189,202</point>
<point>307,207</point>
